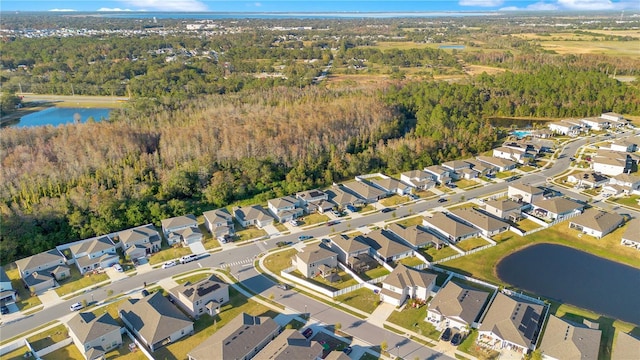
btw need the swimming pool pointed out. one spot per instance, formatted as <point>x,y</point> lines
<point>521,133</point>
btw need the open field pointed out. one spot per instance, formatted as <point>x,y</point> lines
<point>78,100</point>
<point>618,48</point>
<point>77,281</point>
<point>363,299</point>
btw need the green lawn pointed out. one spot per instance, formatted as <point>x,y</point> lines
<point>169,254</point>
<point>77,281</point>
<point>314,218</point>
<point>413,319</point>
<point>481,264</point>
<point>527,168</point>
<point>193,278</point>
<point>69,352</point>
<point>205,327</point>
<point>424,194</point>
<point>374,273</point>
<point>17,354</point>
<point>470,347</point>
<point>394,200</point>
<point>345,281</point>
<point>48,337</point>
<point>123,353</point>
<point>367,208</point>
<point>280,226</point>
<point>432,254</point>
<point>406,222</point>
<point>111,308</point>
<point>279,261</point>
<point>630,201</point>
<point>250,232</point>
<point>505,174</point>
<point>473,243</point>
<point>466,184</point>
<point>411,261</point>
<point>25,300</point>
<point>527,225</point>
<point>363,299</point>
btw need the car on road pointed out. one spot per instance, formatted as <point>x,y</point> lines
<point>456,339</point>
<point>307,333</point>
<point>118,268</point>
<point>333,222</point>
<point>188,258</point>
<point>305,237</point>
<point>76,306</point>
<point>347,350</point>
<point>386,210</point>
<point>170,263</point>
<point>446,334</point>
<point>284,286</point>
<point>441,200</point>
<point>4,310</point>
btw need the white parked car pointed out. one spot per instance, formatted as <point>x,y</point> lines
<point>118,268</point>
<point>75,307</point>
<point>169,264</point>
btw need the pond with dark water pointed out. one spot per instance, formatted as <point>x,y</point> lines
<point>575,277</point>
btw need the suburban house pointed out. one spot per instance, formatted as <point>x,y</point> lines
<point>588,179</point>
<point>202,297</point>
<point>565,128</point>
<point>629,183</point>
<point>40,271</point>
<point>455,168</point>
<point>480,168</point>
<point>511,323</point>
<point>613,162</point>
<point>518,155</point>
<point>451,229</point>
<point>342,198</point>
<point>623,145</point>
<point>348,249</point>
<point>556,207</point>
<point>94,253</point>
<point>525,193</point>
<point>140,241</point>
<point>285,208</point>
<point>290,345</point>
<point>154,320</point>
<point>504,209</point>
<point>456,306</point>
<point>625,346</point>
<point>564,340</point>
<point>487,224</point>
<point>391,186</point>
<point>312,196</point>
<point>407,283</point>
<point>94,335</point>
<point>595,123</point>
<point>386,247</point>
<point>220,224</point>
<point>615,117</point>
<point>7,294</point>
<point>252,215</point>
<point>631,236</point>
<point>417,237</point>
<point>497,164</point>
<point>418,179</point>
<point>181,229</point>
<point>316,260</point>
<point>368,193</point>
<point>242,338</point>
<point>440,174</point>
<point>596,223</point>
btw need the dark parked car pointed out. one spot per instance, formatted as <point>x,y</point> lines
<point>347,350</point>
<point>144,292</point>
<point>456,339</point>
<point>4,310</point>
<point>307,333</point>
<point>304,237</point>
<point>386,210</point>
<point>441,200</point>
<point>334,222</point>
<point>446,334</point>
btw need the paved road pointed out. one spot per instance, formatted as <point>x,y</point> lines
<point>261,284</point>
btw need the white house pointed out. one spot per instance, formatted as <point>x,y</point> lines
<point>202,297</point>
<point>252,215</point>
<point>285,208</point>
<point>93,253</point>
<point>457,306</point>
<point>588,179</point>
<point>181,229</point>
<point>391,186</point>
<point>612,162</point>
<point>449,228</point>
<point>565,128</point>
<point>440,174</point>
<point>487,224</point>
<point>556,208</point>
<point>456,168</point>
<point>596,223</point>
<point>407,283</point>
<point>564,340</point>
<point>525,193</point>
<point>220,224</point>
<point>418,179</point>
<point>629,183</point>
<point>497,164</point>
<point>631,236</point>
<point>314,260</point>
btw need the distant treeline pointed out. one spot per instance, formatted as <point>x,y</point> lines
<point>158,159</point>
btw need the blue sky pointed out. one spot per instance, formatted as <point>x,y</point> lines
<point>318,5</point>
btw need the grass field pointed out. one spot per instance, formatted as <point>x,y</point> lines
<point>432,254</point>
<point>312,219</point>
<point>77,281</point>
<point>406,222</point>
<point>413,319</point>
<point>363,299</point>
<point>279,261</point>
<point>25,300</point>
<point>617,48</point>
<point>250,232</point>
<point>193,278</point>
<point>168,254</point>
<point>49,337</point>
<point>473,243</point>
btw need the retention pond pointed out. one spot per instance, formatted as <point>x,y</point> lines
<point>575,277</point>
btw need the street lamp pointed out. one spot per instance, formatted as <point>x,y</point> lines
<point>305,311</point>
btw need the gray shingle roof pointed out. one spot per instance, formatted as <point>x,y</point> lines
<point>558,205</point>
<point>598,220</point>
<point>625,347</point>
<point>449,226</point>
<point>237,339</point>
<point>480,220</point>
<point>290,345</point>
<point>217,216</point>
<point>403,276</point>
<point>88,327</point>
<point>350,245</point>
<point>363,190</point>
<point>514,320</point>
<point>503,205</point>
<point>565,340</point>
<point>385,244</point>
<point>154,317</point>
<point>341,197</point>
<point>415,235</point>
<point>314,253</point>
<point>199,289</point>
<point>39,259</point>
<point>253,212</point>
<point>459,301</point>
<point>179,221</point>
<point>633,231</point>
<point>92,246</point>
<point>139,234</point>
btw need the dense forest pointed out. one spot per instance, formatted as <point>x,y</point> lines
<point>202,130</point>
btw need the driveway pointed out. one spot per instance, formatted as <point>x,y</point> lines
<point>197,248</point>
<point>49,297</point>
<point>115,274</point>
<point>271,229</point>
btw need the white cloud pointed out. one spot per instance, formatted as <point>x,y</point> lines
<point>539,6</point>
<point>587,4</point>
<point>113,9</point>
<point>257,4</point>
<point>167,5</point>
<point>63,10</point>
<point>482,3</point>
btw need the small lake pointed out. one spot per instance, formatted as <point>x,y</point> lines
<point>575,277</point>
<point>57,116</point>
<point>457,47</point>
